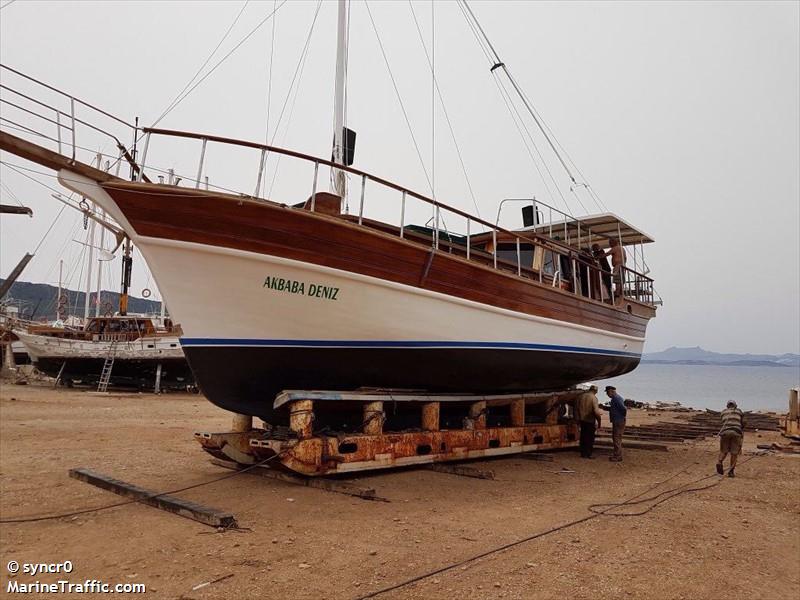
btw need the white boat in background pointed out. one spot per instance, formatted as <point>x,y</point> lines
<point>140,353</point>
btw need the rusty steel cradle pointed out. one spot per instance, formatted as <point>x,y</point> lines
<point>485,426</point>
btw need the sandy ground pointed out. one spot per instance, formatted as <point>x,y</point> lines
<point>739,539</point>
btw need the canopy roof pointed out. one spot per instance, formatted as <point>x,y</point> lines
<point>600,227</point>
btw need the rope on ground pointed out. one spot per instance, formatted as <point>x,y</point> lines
<point>32,519</point>
<point>595,513</point>
<point>668,495</point>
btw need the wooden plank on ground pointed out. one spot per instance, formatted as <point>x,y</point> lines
<point>320,483</point>
<point>178,506</point>
<point>636,445</point>
<point>462,470</point>
<point>536,456</point>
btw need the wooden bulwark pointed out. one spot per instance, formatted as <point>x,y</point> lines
<point>278,230</point>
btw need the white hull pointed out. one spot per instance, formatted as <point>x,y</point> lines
<point>146,348</point>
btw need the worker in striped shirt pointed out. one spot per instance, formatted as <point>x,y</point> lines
<point>730,437</point>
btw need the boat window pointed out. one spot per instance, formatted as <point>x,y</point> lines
<point>508,252</point>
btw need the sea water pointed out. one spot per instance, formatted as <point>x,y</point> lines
<point>708,386</point>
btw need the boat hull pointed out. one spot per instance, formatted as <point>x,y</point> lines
<point>135,362</point>
<point>246,379</point>
<point>274,298</point>
<point>129,373</point>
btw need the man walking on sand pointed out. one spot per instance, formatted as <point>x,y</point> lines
<point>587,412</point>
<point>730,437</point>
<point>616,413</point>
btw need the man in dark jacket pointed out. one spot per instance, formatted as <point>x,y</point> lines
<point>616,413</point>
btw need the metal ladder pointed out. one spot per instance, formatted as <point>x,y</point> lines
<point>108,365</point>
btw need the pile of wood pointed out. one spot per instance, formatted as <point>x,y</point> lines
<point>698,425</point>
<point>753,421</point>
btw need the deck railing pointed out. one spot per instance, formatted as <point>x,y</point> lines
<point>553,262</point>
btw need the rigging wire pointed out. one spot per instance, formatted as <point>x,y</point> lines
<point>519,122</point>
<point>269,72</point>
<point>172,104</point>
<point>297,76</point>
<point>500,64</point>
<point>444,111</point>
<point>547,132</point>
<point>11,194</point>
<point>7,4</point>
<point>397,94</point>
<point>181,97</point>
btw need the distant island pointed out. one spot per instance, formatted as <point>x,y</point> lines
<point>698,356</point>
<point>40,300</point>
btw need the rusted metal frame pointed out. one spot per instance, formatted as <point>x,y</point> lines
<point>184,508</point>
<point>328,485</point>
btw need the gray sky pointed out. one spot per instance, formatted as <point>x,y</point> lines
<point>684,118</point>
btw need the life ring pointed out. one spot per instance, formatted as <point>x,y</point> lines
<point>108,309</point>
<point>146,293</point>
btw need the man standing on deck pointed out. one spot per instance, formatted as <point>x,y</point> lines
<point>730,436</point>
<point>587,412</point>
<point>617,253</point>
<point>616,413</point>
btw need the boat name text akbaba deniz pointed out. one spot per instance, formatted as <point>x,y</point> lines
<point>314,290</point>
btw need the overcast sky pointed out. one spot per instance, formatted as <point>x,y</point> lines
<point>683,117</point>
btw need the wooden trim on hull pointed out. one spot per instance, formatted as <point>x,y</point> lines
<point>272,229</point>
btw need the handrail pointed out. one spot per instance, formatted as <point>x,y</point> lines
<point>50,87</point>
<point>551,244</point>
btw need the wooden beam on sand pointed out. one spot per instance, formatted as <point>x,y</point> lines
<point>606,443</point>
<point>178,506</point>
<point>461,470</point>
<point>320,483</point>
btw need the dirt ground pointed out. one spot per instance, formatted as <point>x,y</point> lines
<point>738,539</point>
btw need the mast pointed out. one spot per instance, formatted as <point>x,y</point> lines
<point>339,106</point>
<point>127,265</point>
<point>89,268</point>
<point>59,310</point>
<point>100,269</point>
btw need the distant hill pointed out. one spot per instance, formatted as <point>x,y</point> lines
<point>39,300</point>
<point>698,356</point>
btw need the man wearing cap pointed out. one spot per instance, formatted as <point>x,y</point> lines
<point>587,412</point>
<point>730,436</point>
<point>616,413</point>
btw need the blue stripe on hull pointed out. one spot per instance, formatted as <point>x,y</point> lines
<point>239,342</point>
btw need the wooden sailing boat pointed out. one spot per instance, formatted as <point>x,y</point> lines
<point>337,301</point>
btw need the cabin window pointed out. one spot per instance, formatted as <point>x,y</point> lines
<point>508,253</point>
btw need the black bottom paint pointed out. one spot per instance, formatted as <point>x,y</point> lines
<point>247,379</point>
<point>140,374</point>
